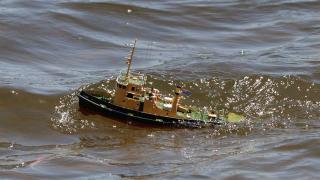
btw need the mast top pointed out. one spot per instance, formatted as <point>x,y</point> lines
<point>129,60</point>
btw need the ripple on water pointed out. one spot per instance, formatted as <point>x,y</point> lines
<point>257,58</point>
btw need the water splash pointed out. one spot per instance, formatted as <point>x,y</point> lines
<point>66,116</point>
<point>267,102</point>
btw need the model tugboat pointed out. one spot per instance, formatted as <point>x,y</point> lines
<point>133,101</point>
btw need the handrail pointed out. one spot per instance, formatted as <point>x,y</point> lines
<point>124,79</point>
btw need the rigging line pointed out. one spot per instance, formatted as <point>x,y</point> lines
<point>150,49</point>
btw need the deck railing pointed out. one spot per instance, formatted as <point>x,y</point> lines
<point>134,78</point>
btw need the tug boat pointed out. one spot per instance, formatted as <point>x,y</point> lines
<point>134,102</point>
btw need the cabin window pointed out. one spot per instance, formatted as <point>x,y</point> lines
<point>133,88</point>
<point>129,95</point>
<point>121,86</point>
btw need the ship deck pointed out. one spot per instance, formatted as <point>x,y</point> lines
<point>133,78</point>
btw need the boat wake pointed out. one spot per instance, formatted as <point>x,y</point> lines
<point>266,102</point>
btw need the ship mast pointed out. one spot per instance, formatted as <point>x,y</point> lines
<point>130,58</point>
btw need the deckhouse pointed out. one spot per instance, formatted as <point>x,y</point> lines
<point>132,93</point>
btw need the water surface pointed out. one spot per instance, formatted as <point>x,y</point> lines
<point>257,58</point>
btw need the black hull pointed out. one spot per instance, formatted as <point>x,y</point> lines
<point>106,108</point>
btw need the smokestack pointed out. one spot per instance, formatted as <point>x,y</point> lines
<point>176,98</point>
